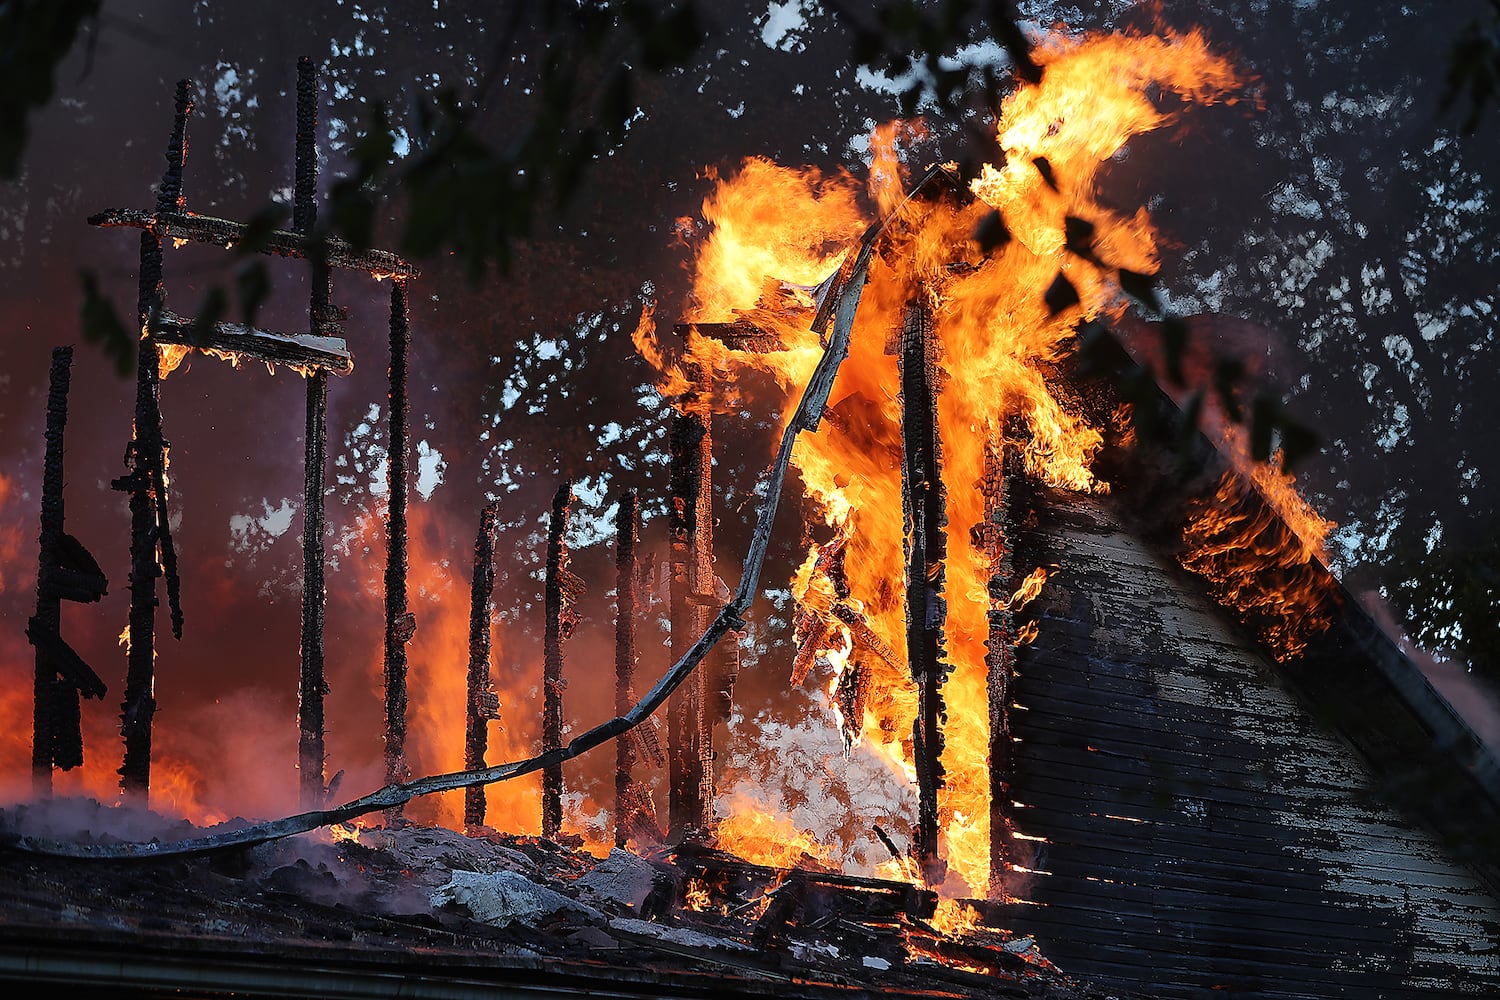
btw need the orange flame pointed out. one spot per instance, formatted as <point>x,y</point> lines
<point>775,233</point>
<point>764,839</point>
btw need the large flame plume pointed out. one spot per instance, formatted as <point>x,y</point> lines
<point>776,233</point>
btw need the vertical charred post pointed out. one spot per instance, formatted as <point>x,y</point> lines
<point>311,753</point>
<point>483,702</point>
<point>48,621</point>
<point>923,507</point>
<point>400,624</point>
<point>687,808</point>
<point>627,519</point>
<point>1000,659</point>
<point>559,626</point>
<point>144,481</point>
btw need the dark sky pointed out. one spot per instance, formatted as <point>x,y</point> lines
<point>1338,216</point>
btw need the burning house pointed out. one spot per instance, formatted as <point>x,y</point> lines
<point>1101,705</point>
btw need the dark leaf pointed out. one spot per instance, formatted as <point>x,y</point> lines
<point>673,39</point>
<point>35,37</point>
<point>1298,441</point>
<point>1228,373</point>
<point>991,233</point>
<point>254,287</point>
<point>210,311</point>
<point>1174,340</point>
<point>1044,167</point>
<point>1003,21</point>
<point>1060,294</point>
<point>351,213</point>
<point>1141,287</point>
<point>258,229</point>
<point>1262,427</point>
<point>1079,236</point>
<point>100,325</point>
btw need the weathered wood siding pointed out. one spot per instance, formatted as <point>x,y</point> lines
<point>1203,834</point>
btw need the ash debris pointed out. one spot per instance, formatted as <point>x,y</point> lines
<point>510,901</point>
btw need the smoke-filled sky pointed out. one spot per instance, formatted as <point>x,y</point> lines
<point>1337,226</point>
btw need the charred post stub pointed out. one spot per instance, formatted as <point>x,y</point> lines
<point>1000,658</point>
<point>561,600</point>
<point>627,519</point>
<point>923,503</point>
<point>400,624</point>
<point>483,703</point>
<point>65,571</point>
<point>145,478</point>
<point>311,753</point>
<point>687,808</point>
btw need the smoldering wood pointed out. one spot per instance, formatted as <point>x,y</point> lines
<point>312,684</point>
<point>482,701</point>
<point>627,521</point>
<point>399,622</point>
<point>926,550</point>
<point>302,351</point>
<point>338,253</point>
<point>557,630</point>
<point>807,416</point>
<point>1000,657</point>
<point>146,522</point>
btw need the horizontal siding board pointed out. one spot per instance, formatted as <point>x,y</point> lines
<point>1267,862</point>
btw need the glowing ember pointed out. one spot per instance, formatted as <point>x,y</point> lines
<point>776,234</point>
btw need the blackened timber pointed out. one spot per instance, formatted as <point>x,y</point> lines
<point>626,527</point>
<point>399,622</point>
<point>312,684</point>
<point>482,701</point>
<point>139,705</point>
<point>326,354</point>
<point>999,659</point>
<point>552,679</point>
<point>923,503</point>
<point>178,225</point>
<point>686,806</point>
<point>740,335</point>
<point>48,619</point>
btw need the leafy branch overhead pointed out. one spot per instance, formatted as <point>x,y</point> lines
<point>35,36</point>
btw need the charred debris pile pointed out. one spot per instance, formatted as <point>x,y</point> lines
<point>493,908</point>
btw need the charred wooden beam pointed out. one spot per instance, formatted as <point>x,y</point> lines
<point>312,684</point>
<point>999,659</point>
<point>306,352</point>
<point>627,519</point>
<point>400,624</point>
<point>689,443</point>
<point>560,619</point>
<point>147,525</point>
<point>179,225</point>
<point>483,703</point>
<point>45,725</point>
<point>925,517</point>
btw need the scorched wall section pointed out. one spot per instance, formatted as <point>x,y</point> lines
<point>1202,830</point>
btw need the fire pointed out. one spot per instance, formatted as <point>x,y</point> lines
<point>775,234</point>
<point>1259,552</point>
<point>764,839</point>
